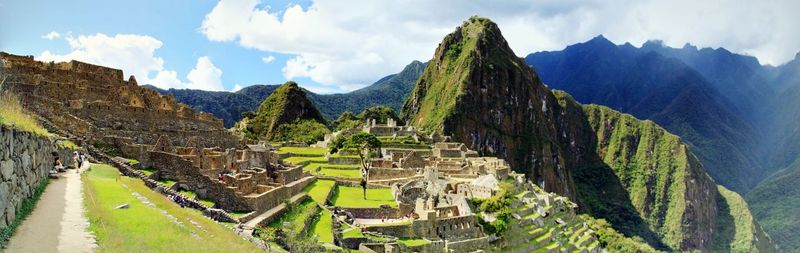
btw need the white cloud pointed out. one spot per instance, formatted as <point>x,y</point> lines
<point>379,37</point>
<point>51,35</point>
<point>268,59</point>
<point>236,87</point>
<point>205,76</point>
<point>135,54</point>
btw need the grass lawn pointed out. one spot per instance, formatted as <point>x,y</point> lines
<point>346,196</point>
<point>319,189</point>
<point>296,215</point>
<point>299,159</point>
<point>143,228</point>
<point>147,172</point>
<point>133,161</point>
<point>303,151</point>
<point>192,195</point>
<point>412,242</point>
<point>351,232</point>
<point>344,173</point>
<point>323,227</point>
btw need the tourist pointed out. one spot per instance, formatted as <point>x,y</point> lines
<point>58,165</point>
<point>83,158</point>
<point>364,187</point>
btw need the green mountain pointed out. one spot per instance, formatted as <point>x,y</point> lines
<point>286,115</point>
<point>633,173</point>
<point>389,91</point>
<point>776,200</point>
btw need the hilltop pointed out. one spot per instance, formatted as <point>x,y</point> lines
<point>285,115</point>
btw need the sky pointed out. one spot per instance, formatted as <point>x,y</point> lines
<point>338,46</point>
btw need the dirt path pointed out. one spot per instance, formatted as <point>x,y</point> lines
<point>58,223</point>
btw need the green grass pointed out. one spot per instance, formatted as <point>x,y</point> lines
<point>351,232</point>
<point>14,115</point>
<point>413,242</point>
<point>67,144</point>
<point>296,215</point>
<point>143,228</point>
<point>192,195</point>
<point>303,151</point>
<point>133,161</point>
<point>319,189</point>
<point>167,182</point>
<point>323,227</point>
<point>340,173</point>
<point>299,159</point>
<point>346,196</point>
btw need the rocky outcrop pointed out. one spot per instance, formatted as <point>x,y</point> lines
<point>25,160</point>
<point>477,91</point>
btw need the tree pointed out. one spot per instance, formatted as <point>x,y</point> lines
<point>367,145</point>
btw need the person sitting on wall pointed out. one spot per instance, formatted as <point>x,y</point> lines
<point>57,165</point>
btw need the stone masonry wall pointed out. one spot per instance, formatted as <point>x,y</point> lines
<point>25,160</point>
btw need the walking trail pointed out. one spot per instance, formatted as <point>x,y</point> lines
<point>57,223</point>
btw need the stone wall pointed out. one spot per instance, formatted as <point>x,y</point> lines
<point>25,160</point>
<point>176,168</point>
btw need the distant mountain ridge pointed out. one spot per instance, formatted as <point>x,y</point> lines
<point>649,85</point>
<point>389,91</point>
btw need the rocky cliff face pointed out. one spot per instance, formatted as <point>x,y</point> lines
<point>477,91</point>
<point>633,173</point>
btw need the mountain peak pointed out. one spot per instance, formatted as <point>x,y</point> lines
<point>286,105</point>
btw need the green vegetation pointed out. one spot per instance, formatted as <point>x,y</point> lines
<point>323,227</point>
<point>192,195</point>
<point>297,214</point>
<point>413,242</point>
<point>346,121</point>
<point>341,173</point>
<point>613,241</point>
<point>303,151</point>
<point>346,196</point>
<point>305,131</point>
<point>296,160</point>
<point>368,146</point>
<point>143,228</point>
<point>736,229</point>
<point>66,144</point>
<point>286,115</point>
<point>500,205</point>
<point>351,232</point>
<point>381,114</point>
<point>25,209</point>
<point>319,190</point>
<point>776,204</point>
<point>14,115</point>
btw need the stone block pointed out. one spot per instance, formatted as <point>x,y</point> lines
<point>7,169</point>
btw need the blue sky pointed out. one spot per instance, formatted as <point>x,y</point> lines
<point>336,46</point>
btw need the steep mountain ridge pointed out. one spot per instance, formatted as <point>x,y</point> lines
<point>477,91</point>
<point>635,174</point>
<point>651,86</point>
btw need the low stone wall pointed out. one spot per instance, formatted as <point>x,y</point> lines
<point>25,160</point>
<point>383,174</point>
<point>469,245</point>
<point>344,160</point>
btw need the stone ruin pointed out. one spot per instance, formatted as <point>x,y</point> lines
<point>95,101</point>
<point>246,179</point>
